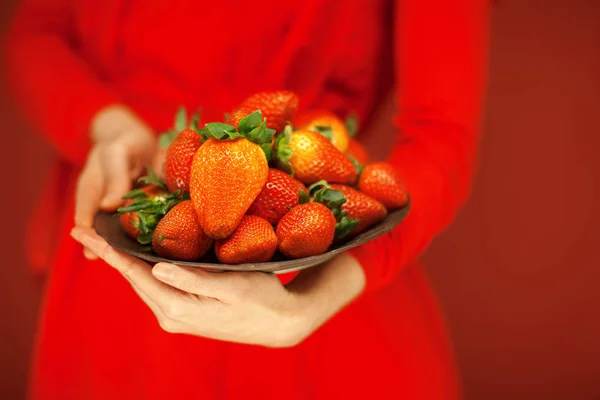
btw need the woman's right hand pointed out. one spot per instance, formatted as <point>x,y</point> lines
<point>123,146</point>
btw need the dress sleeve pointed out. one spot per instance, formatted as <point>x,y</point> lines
<point>441,59</point>
<point>51,81</point>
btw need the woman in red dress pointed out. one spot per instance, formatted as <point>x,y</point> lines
<point>100,78</point>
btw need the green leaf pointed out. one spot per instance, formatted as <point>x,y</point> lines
<point>352,124</point>
<point>145,238</point>
<point>181,119</point>
<point>344,227</point>
<point>268,151</point>
<point>284,151</point>
<point>195,120</point>
<point>147,249</point>
<point>318,185</point>
<point>357,166</point>
<point>165,139</point>
<point>203,134</point>
<point>250,122</point>
<point>325,131</point>
<point>152,179</point>
<point>303,197</point>
<point>143,224</point>
<point>135,194</point>
<point>221,131</point>
<point>135,206</point>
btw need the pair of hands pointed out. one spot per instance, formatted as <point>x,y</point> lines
<point>244,307</point>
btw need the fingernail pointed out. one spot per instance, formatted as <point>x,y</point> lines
<point>163,271</point>
<point>106,202</point>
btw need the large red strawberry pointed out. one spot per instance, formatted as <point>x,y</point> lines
<point>178,236</point>
<point>306,230</point>
<point>280,194</point>
<point>229,171</point>
<point>279,108</point>
<point>361,207</point>
<point>311,157</point>
<point>253,241</point>
<point>383,182</point>
<point>179,158</point>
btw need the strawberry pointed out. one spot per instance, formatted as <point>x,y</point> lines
<point>357,152</point>
<point>306,230</point>
<point>280,194</point>
<point>311,157</point>
<point>130,220</point>
<point>145,207</point>
<point>237,115</point>
<point>326,123</point>
<point>383,182</point>
<point>178,236</point>
<point>279,108</point>
<point>178,160</point>
<point>253,241</point>
<point>361,207</point>
<point>228,172</point>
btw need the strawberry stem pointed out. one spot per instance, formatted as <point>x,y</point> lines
<point>284,151</point>
<point>152,179</point>
<point>352,124</point>
<point>334,200</point>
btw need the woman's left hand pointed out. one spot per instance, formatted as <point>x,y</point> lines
<point>244,307</point>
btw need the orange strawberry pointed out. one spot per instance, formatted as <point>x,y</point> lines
<point>383,182</point>
<point>279,108</point>
<point>280,194</point>
<point>306,230</point>
<point>178,160</point>
<point>361,207</point>
<point>311,157</point>
<point>357,152</point>
<point>229,171</point>
<point>326,123</point>
<point>178,236</point>
<point>253,241</point>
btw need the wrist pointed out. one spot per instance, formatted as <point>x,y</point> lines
<point>322,291</point>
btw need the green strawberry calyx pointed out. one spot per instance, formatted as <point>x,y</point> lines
<point>351,123</point>
<point>334,199</point>
<point>284,151</point>
<point>252,127</point>
<point>357,166</point>
<point>150,209</point>
<point>325,130</point>
<point>179,124</point>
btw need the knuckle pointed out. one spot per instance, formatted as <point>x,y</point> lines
<point>173,310</point>
<point>168,325</point>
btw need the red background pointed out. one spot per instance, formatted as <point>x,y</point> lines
<point>517,273</point>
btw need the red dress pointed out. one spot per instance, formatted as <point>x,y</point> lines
<point>69,58</point>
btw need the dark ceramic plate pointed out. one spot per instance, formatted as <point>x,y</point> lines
<point>108,226</point>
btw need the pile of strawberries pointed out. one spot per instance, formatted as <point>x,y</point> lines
<point>264,180</point>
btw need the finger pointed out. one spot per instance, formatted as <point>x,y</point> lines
<point>133,269</point>
<point>115,164</point>
<point>87,253</point>
<point>226,287</point>
<point>90,188</point>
